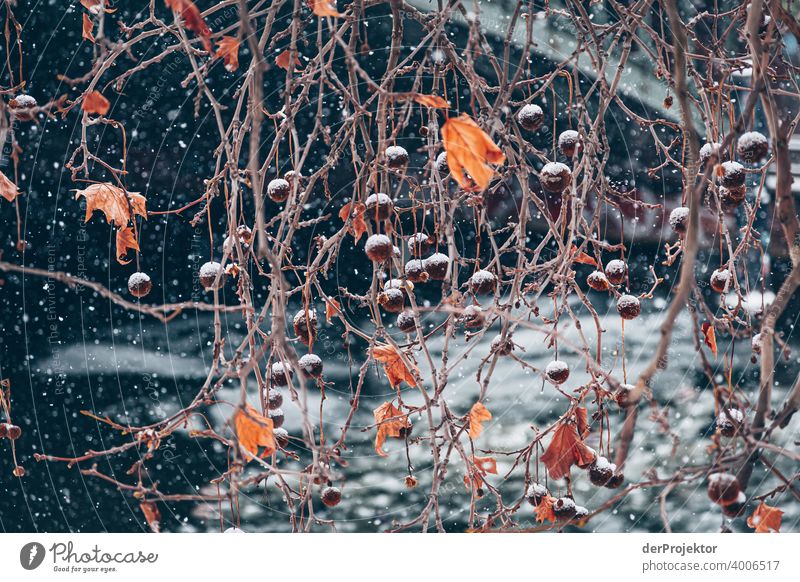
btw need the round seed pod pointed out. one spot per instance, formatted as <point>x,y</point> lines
<point>292,176</point>
<point>405,322</point>
<point>729,421</point>
<point>502,347</point>
<point>281,436</point>
<point>598,281</point>
<point>679,220</point>
<point>22,107</point>
<point>392,300</point>
<point>731,198</point>
<point>245,234</point>
<point>616,271</point>
<point>139,284</point>
<point>277,417</point>
<point>311,365</point>
<point>472,317</point>
<point>13,432</point>
<point>564,508</point>
<point>403,285</point>
<point>441,164</point>
<point>208,275</point>
<point>331,496</point>
<point>601,471</point>
<point>379,248</point>
<point>274,398</point>
<point>436,266</point>
<point>535,493</point>
<point>755,344</point>
<point>616,480</point>
<point>569,142</point>
<point>415,271</point>
<point>732,174</point>
<point>530,116</point>
<point>622,395</point>
<point>305,325</point>
<point>580,512</point>
<point>555,177</point>
<point>723,488</point>
<point>3,430</point>
<point>419,244</point>
<point>710,149</point>
<point>557,372</point>
<point>752,147</point>
<point>19,471</point>
<point>483,282</point>
<point>281,374</point>
<point>628,307</point>
<point>396,157</point>
<point>278,190</point>
<point>720,280</point>
<point>736,507</point>
<point>379,206</point>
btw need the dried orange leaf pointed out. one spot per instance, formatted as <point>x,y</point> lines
<point>254,430</point>
<point>152,515</point>
<point>469,152</point>
<point>566,449</point>
<point>358,226</point>
<point>477,414</point>
<point>581,257</point>
<point>431,101</point>
<point>228,51</point>
<point>95,103</point>
<point>582,420</point>
<point>285,58</point>
<point>394,366</point>
<point>126,241</point>
<point>709,336</point>
<point>323,7</point>
<point>544,511</point>
<point>8,189</point>
<point>97,6</point>
<point>391,422</point>
<point>481,466</point>
<point>765,519</point>
<point>332,309</point>
<point>192,19</point>
<point>88,27</point>
<point>117,204</point>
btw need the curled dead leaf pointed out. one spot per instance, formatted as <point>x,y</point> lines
<point>323,7</point>
<point>119,207</point>
<point>470,151</point>
<point>544,510</point>
<point>477,415</point>
<point>285,58</point>
<point>431,101</point>
<point>358,226</point>
<point>393,365</point>
<point>566,449</point>
<point>152,515</point>
<point>391,422</point>
<point>95,104</point>
<point>192,19</point>
<point>254,430</point>
<point>581,257</point>
<point>88,27</point>
<point>332,309</point>
<point>478,469</point>
<point>8,189</point>
<point>228,51</point>
<point>765,519</point>
<point>709,336</point>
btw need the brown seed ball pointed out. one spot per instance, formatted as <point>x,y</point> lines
<point>679,220</point>
<point>22,106</point>
<point>502,347</point>
<point>736,508</point>
<point>710,149</point>
<point>208,275</point>
<point>13,432</point>
<point>280,374</point>
<point>277,417</point>
<point>569,142</point>
<point>616,271</point>
<point>580,512</point>
<point>419,244</point>
<point>623,395</point>
<point>405,322</point>
<point>719,280</point>
<point>483,282</point>
<point>415,271</point>
<point>19,471</point>
<point>601,471</point>
<point>274,398</point>
<point>392,300</point>
<point>628,307</point>
<point>616,480</point>
<point>732,174</point>
<point>3,430</point>
<point>396,157</point>
<point>281,436</point>
<point>752,147</point>
<point>436,266</point>
<point>535,493</point>
<point>379,248</point>
<point>278,190</point>
<point>723,488</point>
<point>245,234</point>
<point>555,177</point>
<point>472,317</point>
<point>598,281</point>
<point>441,164</point>
<point>403,285</point>
<point>305,325</point>
<point>292,176</point>
<point>139,284</point>
<point>311,365</point>
<point>557,372</point>
<point>564,508</point>
<point>755,344</point>
<point>530,116</point>
<point>331,496</point>
<point>729,421</point>
<point>731,198</point>
<point>379,206</point>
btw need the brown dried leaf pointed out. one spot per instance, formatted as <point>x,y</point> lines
<point>431,101</point>
<point>358,226</point>
<point>152,515</point>
<point>765,519</point>
<point>544,511</point>
<point>228,51</point>
<point>391,422</point>
<point>710,337</point>
<point>581,257</point>
<point>582,420</point>
<point>323,7</point>
<point>566,449</point>
<point>192,19</point>
<point>8,189</point>
<point>254,430</point>
<point>477,414</point>
<point>469,152</point>
<point>481,466</point>
<point>116,203</point>
<point>283,60</point>
<point>88,27</point>
<point>94,103</point>
<point>332,309</point>
<point>394,366</point>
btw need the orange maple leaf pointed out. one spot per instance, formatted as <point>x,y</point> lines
<point>581,257</point>
<point>97,6</point>
<point>126,241</point>
<point>431,101</point>
<point>566,449</point>
<point>469,152</point>
<point>544,511</point>
<point>192,19</point>
<point>254,430</point>
<point>228,51</point>
<point>285,58</point>
<point>481,466</point>
<point>323,7</point>
<point>709,336</point>
<point>88,27</point>
<point>394,366</point>
<point>477,414</point>
<point>391,422</point>
<point>332,309</point>
<point>8,189</point>
<point>358,226</point>
<point>95,103</point>
<point>582,420</point>
<point>765,519</point>
<point>151,514</point>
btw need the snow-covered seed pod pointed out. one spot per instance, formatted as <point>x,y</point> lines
<point>379,206</point>
<point>419,244</point>
<point>710,149</point>
<point>379,248</point>
<point>311,365</point>
<point>392,300</point>
<point>530,116</point>
<point>569,142</point>
<point>752,147</point>
<point>406,322</point>
<point>211,275</point>
<point>278,190</point>
<point>598,281</point>
<point>557,372</point>
<point>628,307</point>
<point>616,270</point>
<point>396,157</point>
<point>436,266</point>
<point>139,284</point>
<point>601,471</point>
<point>732,174</point>
<point>305,325</point>
<point>415,271</point>
<point>483,282</point>
<point>720,280</point>
<point>280,374</point>
<point>679,220</point>
<point>555,177</point>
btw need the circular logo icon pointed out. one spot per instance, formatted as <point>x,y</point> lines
<point>31,555</point>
